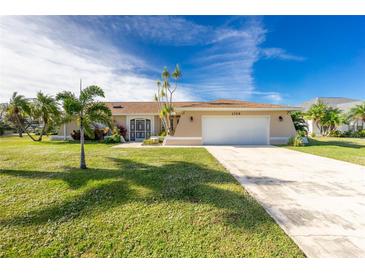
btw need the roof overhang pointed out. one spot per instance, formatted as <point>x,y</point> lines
<point>237,109</point>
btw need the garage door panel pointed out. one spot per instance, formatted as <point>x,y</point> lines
<point>235,130</point>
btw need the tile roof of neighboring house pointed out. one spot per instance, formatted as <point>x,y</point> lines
<point>331,101</point>
<point>122,108</point>
<point>347,106</point>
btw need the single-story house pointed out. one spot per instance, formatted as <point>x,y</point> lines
<point>219,122</point>
<point>342,103</point>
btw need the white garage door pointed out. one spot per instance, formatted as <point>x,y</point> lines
<point>235,130</point>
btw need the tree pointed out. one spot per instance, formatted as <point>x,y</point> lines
<point>86,111</point>
<point>17,112</point>
<point>298,121</point>
<point>46,109</point>
<point>316,113</point>
<point>332,117</point>
<point>164,96</point>
<point>358,113</point>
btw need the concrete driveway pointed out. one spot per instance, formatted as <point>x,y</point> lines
<point>319,202</point>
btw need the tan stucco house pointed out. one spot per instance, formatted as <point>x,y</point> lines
<point>218,122</point>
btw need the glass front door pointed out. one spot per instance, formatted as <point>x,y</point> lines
<point>140,129</point>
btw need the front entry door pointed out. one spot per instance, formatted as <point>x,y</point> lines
<point>140,129</point>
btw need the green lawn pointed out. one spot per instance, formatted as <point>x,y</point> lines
<point>150,202</point>
<point>346,149</point>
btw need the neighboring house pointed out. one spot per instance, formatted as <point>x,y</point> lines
<point>344,104</point>
<point>218,122</point>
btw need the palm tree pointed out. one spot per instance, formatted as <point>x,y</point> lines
<point>45,108</point>
<point>17,111</point>
<point>86,111</point>
<point>316,113</point>
<point>299,122</point>
<point>165,94</point>
<point>331,119</point>
<point>358,113</point>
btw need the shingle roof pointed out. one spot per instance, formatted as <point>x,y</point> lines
<point>223,103</point>
<point>122,108</point>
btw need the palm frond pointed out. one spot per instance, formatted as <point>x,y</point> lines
<point>89,93</point>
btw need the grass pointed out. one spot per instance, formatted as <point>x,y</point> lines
<point>345,149</point>
<point>150,202</point>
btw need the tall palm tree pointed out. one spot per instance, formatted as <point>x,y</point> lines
<point>358,113</point>
<point>164,96</point>
<point>45,108</point>
<point>17,111</point>
<point>86,111</point>
<point>316,113</point>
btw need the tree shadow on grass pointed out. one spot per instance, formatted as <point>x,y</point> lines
<point>344,143</point>
<point>174,181</point>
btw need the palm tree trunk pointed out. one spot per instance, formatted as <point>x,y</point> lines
<point>22,129</point>
<point>82,156</point>
<point>43,131</point>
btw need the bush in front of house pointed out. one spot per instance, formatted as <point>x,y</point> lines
<point>113,139</point>
<point>2,129</point>
<point>99,135</point>
<point>335,133</point>
<point>358,134</point>
<point>297,140</point>
<point>122,130</point>
<point>149,142</point>
<point>162,133</point>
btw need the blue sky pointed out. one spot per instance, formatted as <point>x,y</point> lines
<point>277,59</point>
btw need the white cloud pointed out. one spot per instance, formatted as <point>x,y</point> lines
<point>274,97</point>
<point>280,53</point>
<point>167,30</point>
<point>226,69</point>
<point>52,53</point>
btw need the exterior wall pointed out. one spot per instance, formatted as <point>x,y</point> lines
<point>176,141</point>
<point>120,120</point>
<point>158,126</point>
<point>279,131</point>
<point>312,127</point>
<point>69,128</point>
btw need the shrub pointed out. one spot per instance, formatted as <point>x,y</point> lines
<point>335,133</point>
<point>115,138</point>
<point>99,134</point>
<point>313,134</point>
<point>122,131</point>
<point>162,133</point>
<point>152,141</point>
<point>302,133</point>
<point>347,133</point>
<point>358,134</point>
<point>2,129</point>
<point>362,133</point>
<point>296,141</point>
